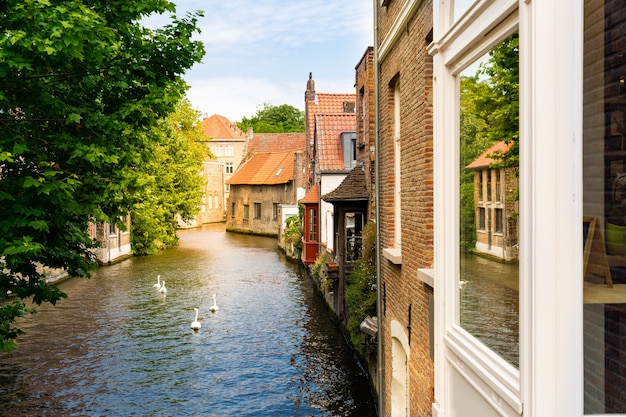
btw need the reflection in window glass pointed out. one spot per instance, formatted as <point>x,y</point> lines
<point>489,139</point>
<point>604,207</point>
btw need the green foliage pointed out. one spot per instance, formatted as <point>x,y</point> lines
<point>274,119</point>
<point>318,269</point>
<point>361,291</point>
<point>83,84</point>
<point>489,113</point>
<point>293,232</point>
<point>169,180</point>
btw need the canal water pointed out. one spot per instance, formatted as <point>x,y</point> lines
<point>118,347</point>
<point>489,304</point>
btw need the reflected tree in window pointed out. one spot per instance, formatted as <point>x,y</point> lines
<point>489,161</point>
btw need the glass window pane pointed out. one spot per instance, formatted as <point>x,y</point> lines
<point>489,136</point>
<point>460,7</point>
<point>604,207</point>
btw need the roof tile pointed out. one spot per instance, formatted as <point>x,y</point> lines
<point>312,196</point>
<point>276,142</point>
<point>485,160</point>
<point>353,187</point>
<point>265,169</point>
<point>220,127</point>
<point>328,130</point>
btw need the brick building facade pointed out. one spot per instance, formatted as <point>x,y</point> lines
<point>405,199</point>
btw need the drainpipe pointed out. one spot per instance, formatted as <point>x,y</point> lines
<point>379,364</point>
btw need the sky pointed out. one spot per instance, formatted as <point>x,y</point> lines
<point>262,51</point>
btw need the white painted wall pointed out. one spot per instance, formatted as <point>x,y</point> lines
<point>328,183</point>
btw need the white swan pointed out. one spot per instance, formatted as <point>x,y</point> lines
<point>163,290</point>
<point>195,324</point>
<point>158,283</point>
<point>214,307</point>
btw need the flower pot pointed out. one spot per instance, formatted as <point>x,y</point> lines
<point>615,239</point>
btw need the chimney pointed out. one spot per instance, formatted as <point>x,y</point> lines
<point>309,95</point>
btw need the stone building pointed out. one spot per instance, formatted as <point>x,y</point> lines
<point>114,242</point>
<point>228,144</point>
<point>495,205</point>
<point>259,188</point>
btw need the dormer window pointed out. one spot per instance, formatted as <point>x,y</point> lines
<point>348,142</point>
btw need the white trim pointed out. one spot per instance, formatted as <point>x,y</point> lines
<point>393,255</point>
<point>399,26</point>
<point>459,356</point>
<point>551,223</point>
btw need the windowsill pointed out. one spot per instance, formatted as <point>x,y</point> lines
<point>427,276</point>
<point>393,255</point>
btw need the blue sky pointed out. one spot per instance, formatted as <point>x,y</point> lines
<point>261,51</point>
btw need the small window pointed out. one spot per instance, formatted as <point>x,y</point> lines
<point>257,210</point>
<point>229,168</point>
<point>312,225</point>
<point>481,221</point>
<point>489,174</point>
<point>499,220</point>
<point>232,210</point>
<point>498,186</point>
<point>354,236</point>
<point>246,211</point>
<point>481,184</point>
<point>274,211</point>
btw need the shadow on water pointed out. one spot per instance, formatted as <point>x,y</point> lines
<point>117,347</point>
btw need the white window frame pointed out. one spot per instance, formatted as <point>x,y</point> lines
<point>481,28</point>
<point>550,376</point>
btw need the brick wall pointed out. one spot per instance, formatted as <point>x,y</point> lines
<point>409,64</point>
<point>364,82</point>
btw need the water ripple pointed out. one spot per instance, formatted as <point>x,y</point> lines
<point>116,347</point>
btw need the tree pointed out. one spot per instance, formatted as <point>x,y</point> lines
<point>489,113</point>
<point>83,85</point>
<point>171,184</point>
<point>274,119</point>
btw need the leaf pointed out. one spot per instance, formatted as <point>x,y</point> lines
<point>19,148</point>
<point>73,118</point>
<point>31,182</point>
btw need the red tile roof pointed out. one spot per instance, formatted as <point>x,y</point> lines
<point>219,127</point>
<point>265,169</point>
<point>276,142</point>
<point>328,130</point>
<point>485,159</point>
<point>311,196</point>
<point>327,103</point>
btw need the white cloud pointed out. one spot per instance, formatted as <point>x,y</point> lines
<point>261,51</point>
<point>235,97</point>
<point>241,25</point>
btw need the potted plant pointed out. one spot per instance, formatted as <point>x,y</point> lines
<point>615,233</point>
